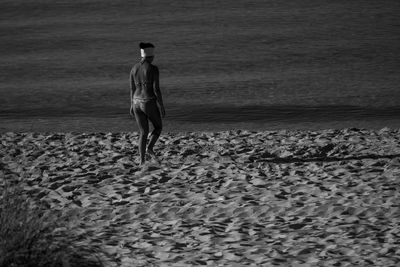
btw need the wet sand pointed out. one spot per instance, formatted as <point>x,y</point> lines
<point>228,198</point>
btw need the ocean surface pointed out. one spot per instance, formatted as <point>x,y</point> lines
<point>224,64</point>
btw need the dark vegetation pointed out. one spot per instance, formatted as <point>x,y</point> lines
<point>33,236</point>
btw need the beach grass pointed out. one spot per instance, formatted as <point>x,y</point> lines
<point>33,236</point>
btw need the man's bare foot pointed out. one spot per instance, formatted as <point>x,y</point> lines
<point>152,154</point>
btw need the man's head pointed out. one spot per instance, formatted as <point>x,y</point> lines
<point>147,51</point>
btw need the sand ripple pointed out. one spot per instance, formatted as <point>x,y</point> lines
<point>237,197</point>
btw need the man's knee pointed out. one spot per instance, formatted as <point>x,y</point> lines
<point>157,130</point>
<point>144,133</point>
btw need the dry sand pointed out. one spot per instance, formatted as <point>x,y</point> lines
<point>233,198</point>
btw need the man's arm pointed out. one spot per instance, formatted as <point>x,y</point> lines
<point>133,89</point>
<point>157,91</point>
<point>133,86</point>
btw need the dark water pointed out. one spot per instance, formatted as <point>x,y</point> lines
<point>276,114</point>
<point>227,62</point>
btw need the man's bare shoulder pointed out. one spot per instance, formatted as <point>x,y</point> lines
<point>135,67</point>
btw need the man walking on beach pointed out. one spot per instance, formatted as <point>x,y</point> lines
<point>145,95</point>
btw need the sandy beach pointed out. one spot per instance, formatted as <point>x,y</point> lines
<point>229,198</point>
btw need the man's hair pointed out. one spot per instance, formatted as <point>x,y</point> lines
<point>145,45</point>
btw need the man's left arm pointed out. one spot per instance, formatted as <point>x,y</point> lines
<point>157,91</point>
<point>133,89</point>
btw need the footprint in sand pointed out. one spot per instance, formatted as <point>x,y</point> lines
<point>148,167</point>
<point>152,156</point>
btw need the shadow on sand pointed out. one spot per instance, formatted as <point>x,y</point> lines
<point>325,158</point>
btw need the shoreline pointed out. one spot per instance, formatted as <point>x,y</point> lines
<point>126,124</point>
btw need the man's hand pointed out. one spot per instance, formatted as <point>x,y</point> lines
<point>131,112</point>
<point>162,111</point>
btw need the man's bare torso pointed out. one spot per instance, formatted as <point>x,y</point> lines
<point>143,74</point>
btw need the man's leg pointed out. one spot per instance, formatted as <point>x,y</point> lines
<point>143,125</point>
<point>155,117</point>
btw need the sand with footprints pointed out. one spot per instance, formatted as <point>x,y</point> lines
<point>232,198</point>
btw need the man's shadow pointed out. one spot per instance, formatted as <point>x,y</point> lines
<point>293,159</point>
